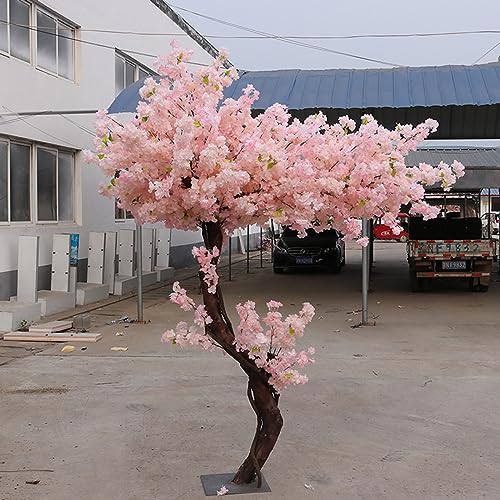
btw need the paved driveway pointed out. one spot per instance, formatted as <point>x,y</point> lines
<point>406,409</point>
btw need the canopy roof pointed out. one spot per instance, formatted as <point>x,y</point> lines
<point>482,165</point>
<point>464,99</point>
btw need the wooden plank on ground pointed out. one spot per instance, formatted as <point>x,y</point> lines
<point>52,327</point>
<point>53,337</point>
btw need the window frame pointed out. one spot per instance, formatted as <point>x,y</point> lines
<point>30,33</point>
<point>33,182</point>
<point>7,25</point>
<point>57,150</point>
<point>58,21</point>
<point>61,22</point>
<point>138,66</point>
<point>20,142</point>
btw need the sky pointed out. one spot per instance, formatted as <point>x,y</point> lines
<point>355,17</point>
<point>346,18</point>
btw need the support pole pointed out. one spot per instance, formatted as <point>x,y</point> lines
<point>248,249</point>
<point>489,213</point>
<point>261,249</point>
<point>365,264</point>
<point>140,303</point>
<point>230,255</point>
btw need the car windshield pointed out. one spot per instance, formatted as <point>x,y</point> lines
<point>311,233</point>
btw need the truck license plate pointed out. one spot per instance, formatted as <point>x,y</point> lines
<point>454,265</point>
<point>303,260</point>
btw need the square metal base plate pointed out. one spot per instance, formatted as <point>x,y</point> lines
<point>212,483</point>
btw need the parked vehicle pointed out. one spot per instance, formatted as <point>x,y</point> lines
<point>325,250</point>
<point>449,247</point>
<point>384,232</point>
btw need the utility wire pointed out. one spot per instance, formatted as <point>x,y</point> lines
<point>284,39</point>
<point>88,42</point>
<point>487,52</point>
<point>298,37</point>
<point>25,120</point>
<point>81,127</point>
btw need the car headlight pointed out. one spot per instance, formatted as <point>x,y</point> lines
<point>279,249</point>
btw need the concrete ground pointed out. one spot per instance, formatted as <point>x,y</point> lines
<point>406,409</point>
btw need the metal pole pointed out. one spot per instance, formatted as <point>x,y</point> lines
<point>140,304</point>
<point>489,213</point>
<point>365,264</point>
<point>230,254</point>
<point>261,249</point>
<point>248,249</point>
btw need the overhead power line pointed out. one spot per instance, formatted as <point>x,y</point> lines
<point>299,37</point>
<point>283,39</point>
<point>88,42</point>
<point>487,52</point>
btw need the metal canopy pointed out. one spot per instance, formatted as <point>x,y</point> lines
<point>482,165</point>
<point>464,99</point>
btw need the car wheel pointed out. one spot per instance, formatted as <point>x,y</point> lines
<point>278,270</point>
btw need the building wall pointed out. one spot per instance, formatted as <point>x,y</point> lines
<point>25,88</point>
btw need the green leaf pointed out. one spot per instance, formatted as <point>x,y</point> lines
<point>105,140</point>
<point>113,181</point>
<point>271,163</point>
<point>279,212</point>
<point>144,119</point>
<point>179,58</point>
<point>362,203</point>
<point>205,79</point>
<point>100,156</point>
<point>197,123</point>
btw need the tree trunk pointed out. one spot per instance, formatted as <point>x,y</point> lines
<point>263,398</point>
<point>264,401</point>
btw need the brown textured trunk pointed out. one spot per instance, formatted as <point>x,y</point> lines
<point>263,398</point>
<point>264,401</point>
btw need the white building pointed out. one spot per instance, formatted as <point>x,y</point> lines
<point>63,55</point>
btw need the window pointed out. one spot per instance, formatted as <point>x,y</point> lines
<point>51,179</point>
<point>55,185</point>
<point>4,27</point>
<point>20,180</point>
<point>54,47</point>
<point>120,214</point>
<point>46,187</point>
<point>50,38</point>
<point>19,33</point>
<point>128,71</point>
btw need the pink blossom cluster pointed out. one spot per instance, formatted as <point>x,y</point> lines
<point>270,341</point>
<point>208,266</point>
<point>190,157</point>
<point>189,335</point>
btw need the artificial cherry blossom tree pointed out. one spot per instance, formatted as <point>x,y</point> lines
<point>194,160</point>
